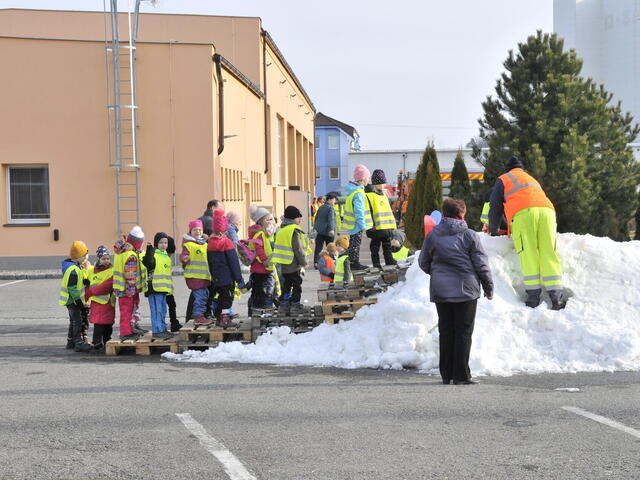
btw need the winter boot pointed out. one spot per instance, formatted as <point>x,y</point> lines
<point>132,336</point>
<point>98,348</point>
<point>202,321</point>
<point>358,266</point>
<point>175,326</point>
<point>70,344</point>
<point>558,299</point>
<point>533,298</point>
<point>298,309</point>
<point>162,336</point>
<point>284,309</point>
<point>138,329</point>
<point>224,321</point>
<point>82,347</point>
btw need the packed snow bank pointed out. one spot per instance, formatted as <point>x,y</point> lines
<point>598,330</point>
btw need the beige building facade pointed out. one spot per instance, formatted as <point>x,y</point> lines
<point>246,143</point>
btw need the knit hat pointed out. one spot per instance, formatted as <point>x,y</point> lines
<point>331,247</point>
<point>343,241</point>
<point>78,250</point>
<point>257,213</point>
<point>102,251</point>
<point>292,212</point>
<point>195,223</point>
<point>512,163</point>
<point>159,236</point>
<point>378,177</point>
<point>361,173</point>
<point>219,224</point>
<point>136,238</point>
<point>233,217</point>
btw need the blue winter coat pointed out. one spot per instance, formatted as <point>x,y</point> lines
<point>454,257</point>
<point>358,208</point>
<point>325,220</point>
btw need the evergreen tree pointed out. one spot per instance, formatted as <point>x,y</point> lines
<point>637,225</point>
<point>425,196</point>
<point>460,186</point>
<point>568,136</point>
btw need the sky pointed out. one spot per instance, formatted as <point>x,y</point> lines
<point>402,72</point>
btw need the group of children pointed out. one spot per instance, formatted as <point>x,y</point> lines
<point>212,272</point>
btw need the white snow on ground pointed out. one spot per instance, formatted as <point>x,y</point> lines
<point>598,331</point>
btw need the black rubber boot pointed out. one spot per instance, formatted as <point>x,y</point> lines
<point>533,298</point>
<point>558,299</point>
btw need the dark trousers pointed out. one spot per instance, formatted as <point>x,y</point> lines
<point>101,333</point>
<point>381,237</point>
<point>259,287</point>
<point>354,248</point>
<point>75,323</point>
<point>292,287</point>
<point>171,305</point>
<point>187,315</point>
<point>224,297</point>
<point>320,241</point>
<point>455,323</point>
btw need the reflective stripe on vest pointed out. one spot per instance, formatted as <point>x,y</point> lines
<point>349,216</point>
<point>400,254</point>
<point>96,279</point>
<point>329,265</point>
<point>484,217</point>
<point>161,279</point>
<point>339,276</point>
<point>283,248</point>
<point>381,212</point>
<point>336,209</point>
<point>266,245</point>
<point>119,262</point>
<point>521,191</point>
<point>198,266</point>
<point>64,291</point>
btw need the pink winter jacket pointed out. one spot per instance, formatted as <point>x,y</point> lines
<point>258,266</point>
<point>101,314</point>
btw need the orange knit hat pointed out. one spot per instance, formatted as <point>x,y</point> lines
<point>78,250</point>
<point>343,241</point>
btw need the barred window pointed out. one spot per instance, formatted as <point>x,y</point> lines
<point>28,190</point>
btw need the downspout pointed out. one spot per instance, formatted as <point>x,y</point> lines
<point>217,60</point>
<point>266,113</point>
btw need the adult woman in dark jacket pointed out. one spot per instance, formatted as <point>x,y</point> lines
<point>454,257</point>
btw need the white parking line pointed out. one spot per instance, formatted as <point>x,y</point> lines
<point>231,464</point>
<point>603,420</point>
<point>11,283</point>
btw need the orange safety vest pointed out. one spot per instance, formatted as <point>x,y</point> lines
<point>521,191</point>
<point>330,264</point>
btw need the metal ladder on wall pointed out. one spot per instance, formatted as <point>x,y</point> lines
<point>122,109</point>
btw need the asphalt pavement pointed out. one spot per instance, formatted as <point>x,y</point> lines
<point>67,415</point>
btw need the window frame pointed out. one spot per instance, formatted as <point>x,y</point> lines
<point>318,173</point>
<point>337,177</point>
<point>26,221</point>
<point>337,137</point>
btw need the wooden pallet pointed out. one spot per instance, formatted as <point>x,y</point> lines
<point>143,346</point>
<point>340,306</point>
<point>338,317</point>
<point>296,330</point>
<point>201,344</point>
<point>190,333</point>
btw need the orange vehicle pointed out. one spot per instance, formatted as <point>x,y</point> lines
<point>404,184</point>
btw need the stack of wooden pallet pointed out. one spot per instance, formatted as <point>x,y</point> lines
<point>201,337</point>
<point>143,346</point>
<point>338,310</point>
<point>298,323</point>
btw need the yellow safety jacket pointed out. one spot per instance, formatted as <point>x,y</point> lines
<point>198,266</point>
<point>339,276</point>
<point>400,254</point>
<point>350,216</point>
<point>337,209</point>
<point>119,261</point>
<point>64,291</point>
<point>161,279</point>
<point>266,244</point>
<point>283,248</point>
<point>97,279</point>
<point>484,216</point>
<point>381,212</point>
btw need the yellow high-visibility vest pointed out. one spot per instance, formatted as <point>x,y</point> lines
<point>64,291</point>
<point>198,266</point>
<point>97,279</point>
<point>161,279</point>
<point>400,254</point>
<point>283,248</point>
<point>381,212</point>
<point>336,209</point>
<point>119,261</point>
<point>484,217</point>
<point>339,276</point>
<point>350,216</point>
<point>266,244</point>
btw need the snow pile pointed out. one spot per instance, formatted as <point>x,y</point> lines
<point>598,331</point>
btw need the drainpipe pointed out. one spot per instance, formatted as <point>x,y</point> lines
<point>266,113</point>
<point>217,60</point>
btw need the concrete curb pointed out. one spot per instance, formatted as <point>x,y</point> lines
<point>26,275</point>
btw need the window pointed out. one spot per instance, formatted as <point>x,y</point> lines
<point>28,188</point>
<point>334,173</point>
<point>317,141</point>
<point>282,164</point>
<point>334,142</point>
<point>318,173</point>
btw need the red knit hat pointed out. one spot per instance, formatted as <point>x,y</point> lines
<point>220,224</point>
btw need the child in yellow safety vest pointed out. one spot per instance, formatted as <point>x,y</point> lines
<point>103,300</point>
<point>384,223</point>
<point>262,270</point>
<point>196,270</point>
<point>72,294</point>
<point>160,283</point>
<point>343,266</point>
<point>290,251</point>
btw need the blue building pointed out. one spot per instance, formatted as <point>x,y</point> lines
<point>334,141</point>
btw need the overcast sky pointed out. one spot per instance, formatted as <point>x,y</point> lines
<point>402,72</point>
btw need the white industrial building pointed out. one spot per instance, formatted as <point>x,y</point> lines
<point>606,35</point>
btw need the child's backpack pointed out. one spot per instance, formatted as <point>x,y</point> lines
<point>246,254</point>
